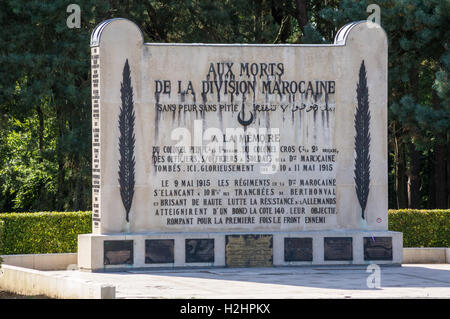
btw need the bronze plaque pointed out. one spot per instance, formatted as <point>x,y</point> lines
<point>118,252</point>
<point>249,250</point>
<point>377,248</point>
<point>298,249</point>
<point>200,250</point>
<point>158,251</point>
<point>338,248</point>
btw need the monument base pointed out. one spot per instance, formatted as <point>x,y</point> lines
<point>108,252</point>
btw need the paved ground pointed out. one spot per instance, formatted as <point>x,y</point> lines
<point>408,281</point>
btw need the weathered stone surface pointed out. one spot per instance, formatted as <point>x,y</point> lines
<point>249,250</point>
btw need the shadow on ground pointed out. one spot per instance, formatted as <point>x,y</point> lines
<point>330,277</point>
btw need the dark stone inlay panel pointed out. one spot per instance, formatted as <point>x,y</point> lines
<point>298,249</point>
<point>338,248</point>
<point>377,248</point>
<point>200,250</point>
<point>249,250</point>
<point>159,251</point>
<point>118,252</point>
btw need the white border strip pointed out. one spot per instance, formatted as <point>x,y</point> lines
<point>34,282</point>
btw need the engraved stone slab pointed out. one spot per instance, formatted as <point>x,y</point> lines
<point>159,251</point>
<point>288,124</point>
<point>200,250</point>
<point>377,248</point>
<point>298,249</point>
<point>249,250</point>
<point>338,248</point>
<point>118,252</point>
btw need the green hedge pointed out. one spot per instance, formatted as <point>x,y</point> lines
<point>42,233</point>
<point>56,232</point>
<point>1,230</point>
<point>422,228</point>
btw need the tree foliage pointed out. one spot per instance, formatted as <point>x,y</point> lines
<point>45,111</point>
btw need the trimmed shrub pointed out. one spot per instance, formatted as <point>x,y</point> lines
<point>1,231</point>
<point>422,228</point>
<point>43,233</point>
<point>57,232</point>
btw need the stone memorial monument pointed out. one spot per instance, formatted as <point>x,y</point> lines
<point>238,154</point>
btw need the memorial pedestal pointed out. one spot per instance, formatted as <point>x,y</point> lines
<point>238,155</point>
<point>110,252</point>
